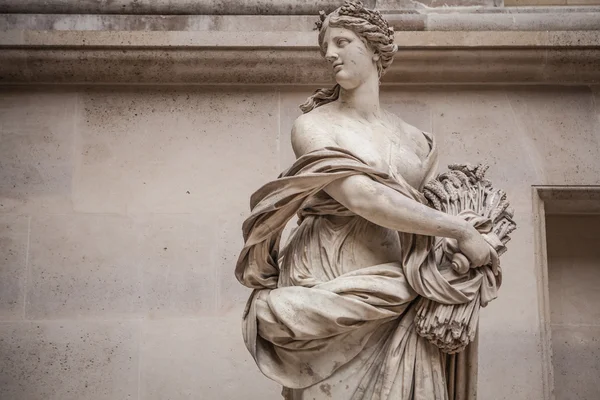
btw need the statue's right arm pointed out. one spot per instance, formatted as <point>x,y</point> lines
<point>386,207</point>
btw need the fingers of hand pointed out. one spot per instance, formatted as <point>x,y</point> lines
<point>492,259</point>
<point>481,260</point>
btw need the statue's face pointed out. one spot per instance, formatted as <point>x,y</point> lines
<point>352,61</point>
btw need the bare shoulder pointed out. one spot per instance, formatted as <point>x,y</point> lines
<point>310,132</point>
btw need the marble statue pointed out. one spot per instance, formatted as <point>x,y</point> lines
<point>377,293</point>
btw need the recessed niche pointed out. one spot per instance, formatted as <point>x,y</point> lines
<point>573,251</point>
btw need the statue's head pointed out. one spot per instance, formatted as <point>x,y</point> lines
<point>357,42</point>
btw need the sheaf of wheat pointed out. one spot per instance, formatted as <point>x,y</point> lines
<point>462,188</point>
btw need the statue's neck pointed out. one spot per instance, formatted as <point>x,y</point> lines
<point>363,99</point>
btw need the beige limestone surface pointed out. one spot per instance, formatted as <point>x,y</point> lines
<point>13,246</point>
<point>234,7</point>
<point>574,275</point>
<point>402,19</point>
<point>105,191</point>
<point>69,360</point>
<point>285,57</point>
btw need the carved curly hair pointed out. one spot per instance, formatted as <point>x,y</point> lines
<point>370,27</point>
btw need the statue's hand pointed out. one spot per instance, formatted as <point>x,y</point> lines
<point>477,250</point>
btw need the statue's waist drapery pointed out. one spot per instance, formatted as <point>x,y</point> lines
<point>360,321</point>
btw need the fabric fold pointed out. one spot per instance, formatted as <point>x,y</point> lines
<point>350,331</point>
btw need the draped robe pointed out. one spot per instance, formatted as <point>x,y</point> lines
<point>325,332</point>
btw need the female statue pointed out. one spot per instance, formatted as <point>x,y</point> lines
<point>333,314</point>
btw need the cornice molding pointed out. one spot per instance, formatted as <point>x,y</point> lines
<point>216,7</point>
<point>574,18</point>
<point>105,57</point>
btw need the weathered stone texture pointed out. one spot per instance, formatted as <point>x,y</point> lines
<point>573,278</point>
<point>171,368</point>
<point>567,57</point>
<point>249,7</point>
<point>177,254</point>
<point>420,19</point>
<point>83,266</point>
<point>165,151</point>
<point>568,155</point>
<point>14,240</point>
<point>35,155</point>
<point>69,360</point>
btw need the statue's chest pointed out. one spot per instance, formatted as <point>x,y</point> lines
<point>390,152</point>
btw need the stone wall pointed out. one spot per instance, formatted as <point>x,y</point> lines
<point>574,278</point>
<point>561,3</point>
<point>121,205</point>
<point>218,7</point>
<point>121,208</point>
